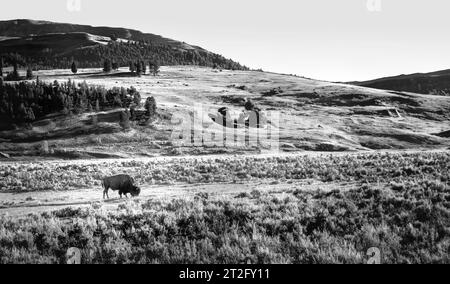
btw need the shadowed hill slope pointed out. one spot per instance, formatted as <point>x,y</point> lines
<point>437,83</point>
<point>48,45</point>
<point>24,28</point>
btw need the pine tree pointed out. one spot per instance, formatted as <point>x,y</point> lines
<point>29,73</point>
<point>1,67</point>
<point>107,66</point>
<point>137,99</point>
<point>133,112</point>
<point>154,69</point>
<point>74,68</point>
<point>132,67</point>
<point>138,68</point>
<point>125,120</point>
<point>144,67</point>
<point>29,117</point>
<point>115,66</point>
<point>150,107</point>
<point>15,74</point>
<point>97,105</point>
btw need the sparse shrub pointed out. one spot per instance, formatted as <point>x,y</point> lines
<point>273,92</point>
<point>249,105</point>
<point>255,193</point>
<point>397,186</point>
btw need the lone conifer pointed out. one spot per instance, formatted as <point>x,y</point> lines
<point>74,68</point>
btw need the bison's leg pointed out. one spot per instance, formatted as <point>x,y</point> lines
<point>105,192</point>
<point>120,194</point>
<point>105,188</point>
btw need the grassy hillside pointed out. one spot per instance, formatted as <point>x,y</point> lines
<point>314,115</point>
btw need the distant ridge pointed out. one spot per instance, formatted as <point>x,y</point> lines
<point>436,83</point>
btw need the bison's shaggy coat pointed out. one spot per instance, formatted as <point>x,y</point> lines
<point>123,183</point>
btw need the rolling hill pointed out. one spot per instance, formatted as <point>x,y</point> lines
<point>308,115</point>
<point>436,83</point>
<point>48,45</point>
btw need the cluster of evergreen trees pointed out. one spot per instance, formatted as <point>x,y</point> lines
<point>122,54</point>
<point>26,102</point>
<point>14,75</point>
<point>140,67</point>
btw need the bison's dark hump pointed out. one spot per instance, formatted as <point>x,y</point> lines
<point>118,181</point>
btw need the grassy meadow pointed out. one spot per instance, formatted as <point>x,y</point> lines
<point>401,206</point>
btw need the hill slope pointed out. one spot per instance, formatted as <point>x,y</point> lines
<point>50,45</point>
<point>25,28</point>
<point>437,83</point>
<point>313,115</point>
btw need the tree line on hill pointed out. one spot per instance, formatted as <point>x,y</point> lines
<point>139,67</point>
<point>122,54</point>
<point>26,102</point>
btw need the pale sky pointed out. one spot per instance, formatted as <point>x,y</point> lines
<point>323,39</point>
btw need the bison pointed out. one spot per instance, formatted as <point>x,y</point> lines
<point>123,183</point>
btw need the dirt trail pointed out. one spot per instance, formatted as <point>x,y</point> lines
<point>20,204</point>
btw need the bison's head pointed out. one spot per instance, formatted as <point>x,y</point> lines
<point>135,191</point>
